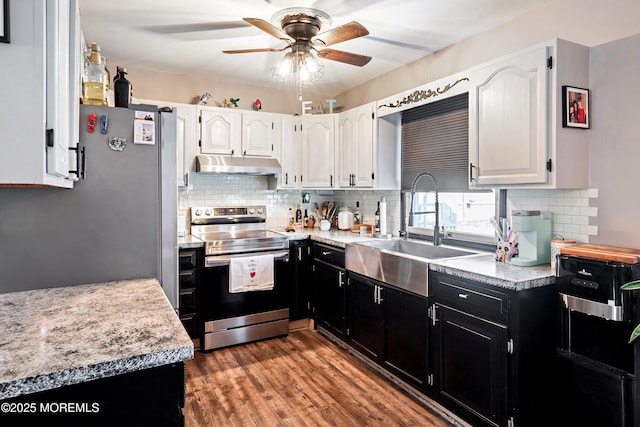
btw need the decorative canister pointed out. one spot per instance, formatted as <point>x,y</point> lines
<point>556,243</point>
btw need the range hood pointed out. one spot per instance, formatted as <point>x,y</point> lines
<point>239,165</point>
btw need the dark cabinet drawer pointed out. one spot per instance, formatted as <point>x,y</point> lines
<point>189,324</point>
<point>187,278</point>
<point>329,254</point>
<point>187,301</point>
<point>475,299</point>
<point>188,259</point>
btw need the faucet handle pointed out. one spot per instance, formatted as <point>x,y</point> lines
<point>402,233</point>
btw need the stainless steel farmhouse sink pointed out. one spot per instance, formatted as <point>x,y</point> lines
<point>398,262</point>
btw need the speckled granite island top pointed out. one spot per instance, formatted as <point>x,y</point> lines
<point>485,269</point>
<point>60,336</point>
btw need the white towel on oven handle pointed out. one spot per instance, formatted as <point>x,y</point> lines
<point>251,273</point>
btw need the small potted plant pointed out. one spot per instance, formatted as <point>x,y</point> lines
<point>630,286</point>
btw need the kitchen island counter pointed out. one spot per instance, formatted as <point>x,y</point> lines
<point>69,335</point>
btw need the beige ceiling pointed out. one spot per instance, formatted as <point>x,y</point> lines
<point>188,36</point>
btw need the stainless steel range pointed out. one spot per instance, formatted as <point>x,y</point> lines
<point>238,235</point>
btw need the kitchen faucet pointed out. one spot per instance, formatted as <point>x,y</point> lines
<point>437,239</point>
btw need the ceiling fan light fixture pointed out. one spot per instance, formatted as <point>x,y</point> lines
<point>300,65</point>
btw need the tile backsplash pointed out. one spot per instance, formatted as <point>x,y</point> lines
<point>232,190</point>
<point>574,212</point>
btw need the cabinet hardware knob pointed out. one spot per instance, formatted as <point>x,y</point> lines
<point>463,296</point>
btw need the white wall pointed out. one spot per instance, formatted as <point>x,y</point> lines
<point>615,142</point>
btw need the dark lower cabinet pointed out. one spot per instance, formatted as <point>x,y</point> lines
<point>189,271</point>
<point>301,263</point>
<point>150,397</point>
<point>366,321</point>
<point>405,349</point>
<point>389,326</point>
<point>470,364</point>
<point>329,310</point>
<point>493,352</point>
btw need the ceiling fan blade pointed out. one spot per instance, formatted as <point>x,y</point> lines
<point>346,57</point>
<point>342,33</point>
<point>268,28</point>
<point>264,49</point>
<point>197,27</point>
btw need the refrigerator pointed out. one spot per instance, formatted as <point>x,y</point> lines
<point>119,222</point>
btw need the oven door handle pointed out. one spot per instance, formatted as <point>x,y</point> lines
<point>224,260</point>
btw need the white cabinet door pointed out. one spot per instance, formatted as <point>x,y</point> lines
<point>58,88</point>
<point>289,153</point>
<point>39,120</point>
<point>364,119</point>
<point>318,136</point>
<point>260,134</point>
<point>220,131</point>
<point>346,149</point>
<point>186,141</point>
<point>508,128</point>
<point>354,156</point>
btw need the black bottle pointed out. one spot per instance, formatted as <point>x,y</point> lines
<point>121,88</point>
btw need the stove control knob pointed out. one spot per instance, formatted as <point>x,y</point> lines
<point>260,211</point>
<point>251,211</point>
<point>208,212</point>
<point>198,212</point>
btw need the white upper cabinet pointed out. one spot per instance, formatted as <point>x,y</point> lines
<point>516,138</point>
<point>220,131</point>
<point>40,81</point>
<point>238,133</point>
<point>186,140</point>
<point>318,145</point>
<point>354,154</point>
<point>261,133</point>
<point>289,153</point>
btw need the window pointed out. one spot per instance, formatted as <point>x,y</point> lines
<point>435,138</point>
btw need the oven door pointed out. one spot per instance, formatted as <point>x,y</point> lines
<point>235,318</point>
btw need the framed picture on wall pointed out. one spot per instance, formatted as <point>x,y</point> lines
<point>575,107</point>
<point>4,21</point>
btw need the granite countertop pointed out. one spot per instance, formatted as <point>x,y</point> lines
<point>333,237</point>
<point>189,241</point>
<point>484,268</point>
<point>60,336</point>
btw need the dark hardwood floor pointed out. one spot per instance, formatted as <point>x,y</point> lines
<point>299,380</point>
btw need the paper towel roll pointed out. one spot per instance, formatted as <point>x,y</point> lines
<point>383,216</point>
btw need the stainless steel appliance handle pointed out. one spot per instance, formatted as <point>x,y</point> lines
<point>609,312</point>
<point>223,260</point>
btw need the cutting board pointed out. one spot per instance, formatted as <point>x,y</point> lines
<point>602,252</point>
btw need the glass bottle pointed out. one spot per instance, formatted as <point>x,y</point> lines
<point>356,214</point>
<point>377,219</point>
<point>298,215</point>
<point>94,87</point>
<point>305,220</point>
<point>121,88</point>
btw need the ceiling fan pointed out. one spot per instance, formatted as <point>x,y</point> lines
<point>300,29</point>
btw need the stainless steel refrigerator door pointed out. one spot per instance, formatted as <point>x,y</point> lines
<point>110,226</point>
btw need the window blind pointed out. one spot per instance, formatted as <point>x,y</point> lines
<point>435,138</point>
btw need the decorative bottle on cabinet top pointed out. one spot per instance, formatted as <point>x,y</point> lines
<point>121,88</point>
<point>94,79</point>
